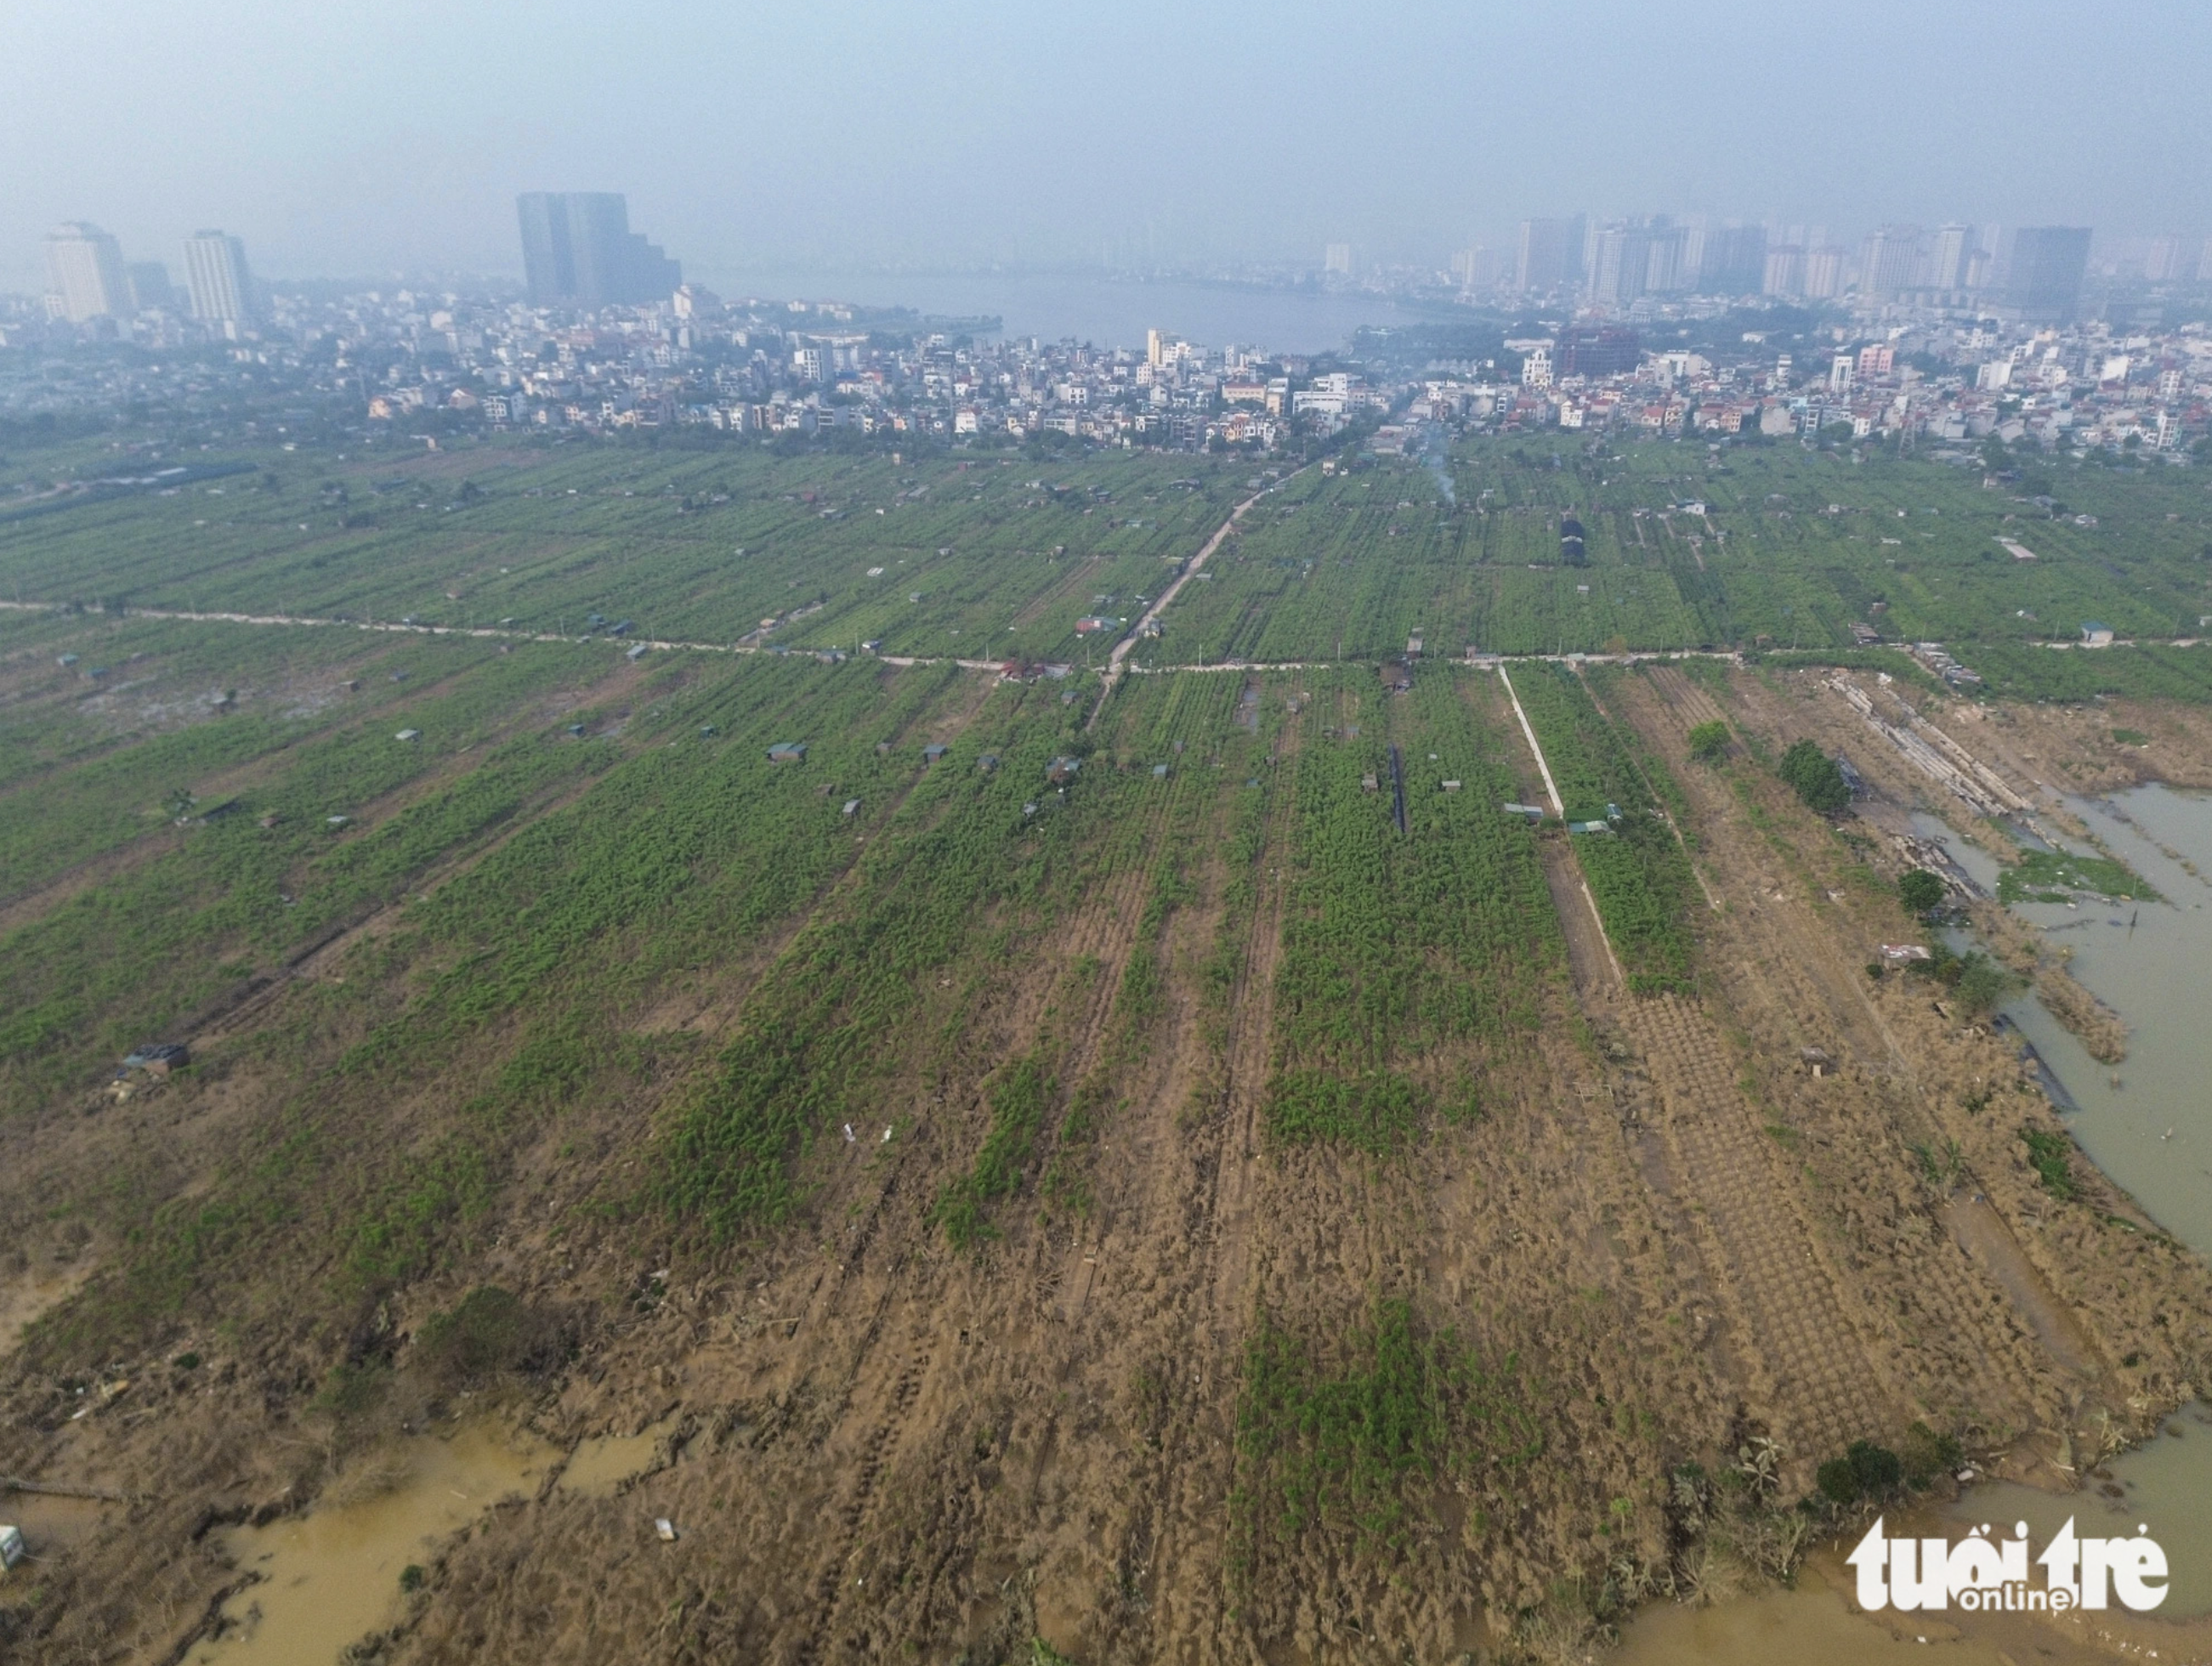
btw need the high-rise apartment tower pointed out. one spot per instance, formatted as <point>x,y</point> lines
<point>217,278</point>
<point>1550,256</point>
<point>2048,264</point>
<point>85,276</point>
<point>578,251</point>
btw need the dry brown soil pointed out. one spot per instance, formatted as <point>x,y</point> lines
<point>878,1448</point>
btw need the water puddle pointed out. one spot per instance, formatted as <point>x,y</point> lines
<point>2163,1485</point>
<point>1815,1623</point>
<point>333,1576</point>
<point>602,1465</point>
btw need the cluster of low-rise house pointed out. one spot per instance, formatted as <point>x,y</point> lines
<point>425,363</point>
<point>1934,382</point>
<point>420,361</point>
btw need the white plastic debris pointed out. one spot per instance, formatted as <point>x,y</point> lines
<point>664,1528</point>
<point>886,1140</point>
<point>848,1133</point>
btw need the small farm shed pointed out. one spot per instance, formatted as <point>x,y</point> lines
<point>1062,770</point>
<point>158,1057</point>
<point>787,751</point>
<point>932,753</point>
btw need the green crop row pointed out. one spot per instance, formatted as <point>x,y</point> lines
<point>1398,952</point>
<point>1347,1438</point>
<point>1638,871</point>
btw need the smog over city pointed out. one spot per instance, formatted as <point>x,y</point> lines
<point>988,834</point>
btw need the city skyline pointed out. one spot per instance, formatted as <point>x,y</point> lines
<point>1066,145</point>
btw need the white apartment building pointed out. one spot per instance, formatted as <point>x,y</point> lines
<point>85,275</point>
<point>215,275</point>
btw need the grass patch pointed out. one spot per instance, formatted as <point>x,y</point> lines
<point>1339,1443</point>
<point>2051,1157</point>
<point>2045,875</point>
<point>1019,1101</point>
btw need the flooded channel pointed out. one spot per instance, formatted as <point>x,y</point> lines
<point>2147,1123</point>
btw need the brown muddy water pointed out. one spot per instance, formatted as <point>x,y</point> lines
<point>333,1576</point>
<point>2147,1123</point>
<point>598,1467</point>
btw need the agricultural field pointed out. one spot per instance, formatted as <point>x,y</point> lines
<point>990,559</point>
<point>1787,548</point>
<point>1348,566</point>
<point>1793,546</point>
<point>1024,1164</point>
<point>1639,868</point>
<point>1413,964</point>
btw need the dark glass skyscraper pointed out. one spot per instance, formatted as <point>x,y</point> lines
<point>1734,261</point>
<point>2048,264</point>
<point>578,251</point>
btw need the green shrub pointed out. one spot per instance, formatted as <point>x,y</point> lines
<point>2050,1155</point>
<point>1921,891</point>
<point>1983,985</point>
<point>1866,1471</point>
<point>1709,741</point>
<point>1927,1455</point>
<point>351,1391</point>
<point>1815,776</point>
<point>491,1332</point>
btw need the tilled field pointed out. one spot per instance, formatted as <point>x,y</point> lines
<point>1183,1264</point>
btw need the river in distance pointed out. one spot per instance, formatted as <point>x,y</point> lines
<point>1105,311</point>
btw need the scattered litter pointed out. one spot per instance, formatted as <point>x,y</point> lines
<point>11,1547</point>
<point>886,1140</point>
<point>848,1133</point>
<point>664,1528</point>
<point>408,734</point>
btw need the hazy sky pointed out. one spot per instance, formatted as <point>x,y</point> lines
<point>390,134</point>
